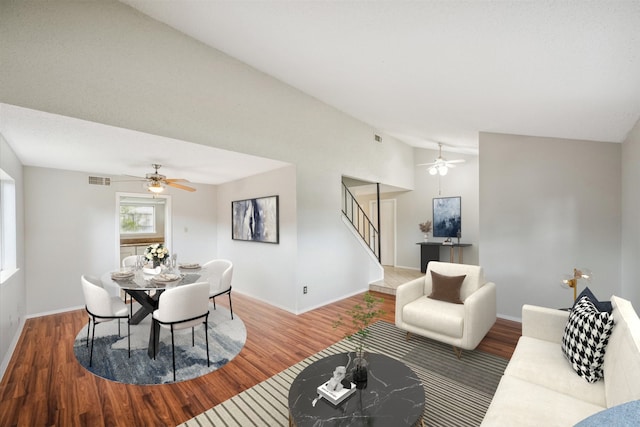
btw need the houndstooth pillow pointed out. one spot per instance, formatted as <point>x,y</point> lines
<point>585,339</point>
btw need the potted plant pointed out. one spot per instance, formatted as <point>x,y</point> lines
<point>425,227</point>
<point>362,316</point>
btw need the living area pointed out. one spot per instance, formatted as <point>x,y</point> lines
<point>533,207</point>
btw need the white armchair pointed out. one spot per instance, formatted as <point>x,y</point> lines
<point>461,325</point>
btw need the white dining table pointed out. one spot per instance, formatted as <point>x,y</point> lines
<point>146,290</point>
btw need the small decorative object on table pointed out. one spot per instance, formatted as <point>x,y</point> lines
<point>156,253</point>
<point>361,316</point>
<point>425,227</point>
<point>337,389</point>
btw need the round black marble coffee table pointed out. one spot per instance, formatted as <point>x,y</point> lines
<point>394,396</point>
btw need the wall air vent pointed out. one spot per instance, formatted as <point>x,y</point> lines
<point>98,180</point>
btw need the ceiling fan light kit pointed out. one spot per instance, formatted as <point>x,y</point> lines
<point>441,165</point>
<point>441,169</point>
<point>155,187</point>
<point>158,182</point>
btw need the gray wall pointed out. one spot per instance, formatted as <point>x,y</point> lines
<point>546,206</point>
<point>630,216</point>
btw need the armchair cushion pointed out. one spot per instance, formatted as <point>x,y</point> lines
<point>440,316</point>
<point>446,288</point>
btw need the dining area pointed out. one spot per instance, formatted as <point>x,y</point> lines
<point>159,300</point>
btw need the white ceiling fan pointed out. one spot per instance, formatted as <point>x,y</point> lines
<point>441,165</point>
<point>156,182</point>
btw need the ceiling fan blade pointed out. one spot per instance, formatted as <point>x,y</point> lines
<point>176,180</point>
<point>427,164</point>
<point>456,161</point>
<point>133,179</point>
<point>180,186</point>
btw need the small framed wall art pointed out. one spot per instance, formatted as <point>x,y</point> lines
<point>255,220</point>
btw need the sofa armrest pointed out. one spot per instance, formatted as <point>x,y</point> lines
<point>543,323</point>
<point>479,315</point>
<point>406,293</point>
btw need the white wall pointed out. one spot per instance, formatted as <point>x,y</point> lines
<point>13,290</point>
<point>417,206</point>
<point>71,230</point>
<point>630,210</point>
<point>106,62</point>
<point>548,205</point>
<point>194,223</point>
<point>265,271</point>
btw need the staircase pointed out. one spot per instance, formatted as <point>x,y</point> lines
<point>354,213</point>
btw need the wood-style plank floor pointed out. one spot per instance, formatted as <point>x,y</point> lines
<point>45,385</point>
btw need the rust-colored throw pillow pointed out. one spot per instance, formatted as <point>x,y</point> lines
<point>446,288</point>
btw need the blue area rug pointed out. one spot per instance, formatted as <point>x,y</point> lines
<point>111,361</point>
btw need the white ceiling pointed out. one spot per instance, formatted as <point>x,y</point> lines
<point>422,71</point>
<point>53,141</point>
<point>440,71</point>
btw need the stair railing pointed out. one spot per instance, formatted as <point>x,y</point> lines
<point>360,221</point>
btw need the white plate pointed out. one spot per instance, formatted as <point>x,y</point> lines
<point>190,266</point>
<point>166,277</point>
<point>121,275</point>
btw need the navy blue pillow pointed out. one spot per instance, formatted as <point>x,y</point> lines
<point>602,306</point>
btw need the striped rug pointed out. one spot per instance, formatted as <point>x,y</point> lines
<point>457,392</point>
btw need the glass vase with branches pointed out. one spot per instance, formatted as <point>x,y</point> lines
<point>362,316</point>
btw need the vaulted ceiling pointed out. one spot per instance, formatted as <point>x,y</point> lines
<point>422,71</point>
<point>440,71</point>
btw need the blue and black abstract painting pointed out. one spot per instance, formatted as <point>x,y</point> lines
<point>255,219</point>
<point>446,217</point>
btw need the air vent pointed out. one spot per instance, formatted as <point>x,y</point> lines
<point>98,180</point>
<point>377,138</point>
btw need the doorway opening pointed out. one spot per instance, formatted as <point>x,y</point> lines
<point>141,220</point>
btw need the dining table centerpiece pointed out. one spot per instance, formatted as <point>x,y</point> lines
<point>156,253</point>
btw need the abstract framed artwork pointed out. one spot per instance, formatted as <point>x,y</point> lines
<point>447,221</point>
<point>255,220</point>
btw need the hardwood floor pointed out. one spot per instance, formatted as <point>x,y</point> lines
<point>45,385</point>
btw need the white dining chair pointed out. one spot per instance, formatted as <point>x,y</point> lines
<point>183,307</point>
<point>102,308</point>
<point>219,273</point>
<point>130,261</point>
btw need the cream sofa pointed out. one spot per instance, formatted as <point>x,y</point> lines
<point>461,325</point>
<point>539,386</point>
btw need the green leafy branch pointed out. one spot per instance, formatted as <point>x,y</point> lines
<point>362,315</point>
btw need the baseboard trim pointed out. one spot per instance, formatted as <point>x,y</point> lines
<point>48,313</point>
<point>11,349</point>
